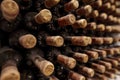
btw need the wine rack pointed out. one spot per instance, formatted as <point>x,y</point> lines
<point>59,39</point>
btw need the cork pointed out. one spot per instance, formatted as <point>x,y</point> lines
<point>9,9</point>
<point>79,40</point>
<point>100,27</point>
<point>100,76</point>
<point>109,75</point>
<point>113,7</point>
<point>116,51</point>
<point>108,40</point>
<point>91,26</point>
<point>81,57</point>
<point>28,41</point>
<point>99,68</point>
<point>81,23</point>
<point>92,54</point>
<point>108,65</point>
<point>10,73</point>
<point>89,72</point>
<point>106,5</point>
<point>113,62</point>
<point>56,41</point>
<point>113,70</point>
<point>44,16</point>
<point>51,3</point>
<point>46,67</point>
<point>89,40</point>
<point>108,28</point>
<point>110,51</point>
<point>66,20</point>
<point>97,40</point>
<point>94,14</point>
<point>103,16</point>
<point>76,76</point>
<point>72,5</point>
<point>101,53</point>
<point>67,61</point>
<point>86,10</point>
<point>97,4</point>
<point>110,18</point>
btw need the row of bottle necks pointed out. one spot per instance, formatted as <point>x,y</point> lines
<point>24,40</point>
<point>64,65</point>
<point>53,19</point>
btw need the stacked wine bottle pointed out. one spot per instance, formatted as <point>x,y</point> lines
<point>59,39</point>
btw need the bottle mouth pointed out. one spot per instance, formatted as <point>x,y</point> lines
<point>28,41</point>
<point>10,9</point>
<point>10,73</point>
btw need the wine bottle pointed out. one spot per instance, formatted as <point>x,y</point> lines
<point>53,78</point>
<point>113,62</point>
<point>71,5</point>
<point>80,57</point>
<point>108,29</point>
<point>97,4</point>
<point>108,65</point>
<point>77,40</point>
<point>81,23</point>
<point>97,40</point>
<point>109,75</point>
<point>113,70</point>
<point>50,4</point>
<point>100,27</point>
<point>88,72</point>
<point>105,7</point>
<point>109,51</point>
<point>101,53</point>
<point>34,19</point>
<point>10,59</point>
<point>11,18</point>
<point>25,5</point>
<point>100,76</point>
<point>84,11</point>
<point>108,40</point>
<point>93,14</point>
<point>36,56</point>
<point>97,67</point>
<point>102,17</point>
<point>45,39</point>
<point>22,39</point>
<point>91,26</point>
<point>55,56</point>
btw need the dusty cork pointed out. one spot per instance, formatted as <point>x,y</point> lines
<point>82,23</point>
<point>44,16</point>
<point>67,61</point>
<point>108,65</point>
<point>72,5</point>
<point>28,41</point>
<point>51,3</point>
<point>9,9</point>
<point>108,40</point>
<point>56,41</point>
<point>66,20</point>
<point>10,73</point>
<point>46,67</point>
<point>100,27</point>
<point>81,57</point>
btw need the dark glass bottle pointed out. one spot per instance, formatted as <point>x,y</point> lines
<point>55,56</point>
<point>10,59</point>
<point>37,57</point>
